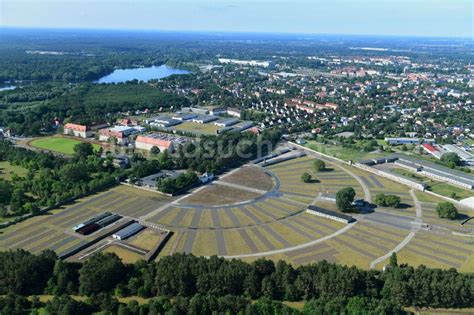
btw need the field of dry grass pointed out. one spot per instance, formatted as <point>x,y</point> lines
<point>213,195</point>
<point>251,176</point>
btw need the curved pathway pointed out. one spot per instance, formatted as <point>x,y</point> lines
<point>289,249</point>
<point>408,238</point>
<point>419,210</point>
<point>272,193</point>
<point>395,250</point>
<point>244,226</point>
<point>367,195</point>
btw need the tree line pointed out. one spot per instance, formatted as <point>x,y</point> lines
<point>185,284</point>
<point>33,110</point>
<point>52,179</point>
<point>178,184</point>
<point>216,154</point>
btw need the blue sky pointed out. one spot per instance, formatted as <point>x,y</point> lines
<point>452,18</point>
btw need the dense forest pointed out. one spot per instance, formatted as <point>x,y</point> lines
<point>218,153</point>
<point>51,179</point>
<point>185,284</point>
<point>33,110</point>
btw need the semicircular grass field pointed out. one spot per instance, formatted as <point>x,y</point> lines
<point>58,144</point>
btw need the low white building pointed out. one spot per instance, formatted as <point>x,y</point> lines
<point>119,133</point>
<point>128,231</point>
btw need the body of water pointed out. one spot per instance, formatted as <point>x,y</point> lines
<point>141,74</point>
<point>7,88</point>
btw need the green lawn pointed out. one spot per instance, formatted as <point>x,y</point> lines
<point>58,144</point>
<point>446,190</point>
<point>7,170</point>
<point>406,173</point>
<point>424,197</point>
<point>440,188</point>
<point>342,153</point>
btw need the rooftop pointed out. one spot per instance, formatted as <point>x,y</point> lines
<point>440,170</point>
<point>331,213</point>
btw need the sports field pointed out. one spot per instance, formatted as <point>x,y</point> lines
<point>58,144</point>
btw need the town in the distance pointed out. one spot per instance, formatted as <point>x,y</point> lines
<point>235,173</point>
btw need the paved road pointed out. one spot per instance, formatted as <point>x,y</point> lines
<point>395,250</point>
<point>406,240</point>
<point>367,195</point>
<point>175,202</point>
<point>237,186</point>
<point>419,210</point>
<point>393,220</point>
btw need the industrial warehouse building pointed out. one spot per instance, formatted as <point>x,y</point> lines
<point>108,220</point>
<point>95,223</point>
<point>184,117</point>
<point>403,140</point>
<point>91,220</point>
<point>162,121</point>
<point>406,140</point>
<point>426,168</point>
<point>226,122</point>
<point>441,173</point>
<point>243,125</point>
<point>329,214</point>
<point>160,140</point>
<point>465,156</point>
<point>452,178</point>
<point>130,230</point>
<point>204,119</point>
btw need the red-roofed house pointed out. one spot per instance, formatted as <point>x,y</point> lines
<point>429,147</point>
<point>77,130</point>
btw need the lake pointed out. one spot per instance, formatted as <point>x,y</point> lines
<point>141,74</point>
<point>7,88</point>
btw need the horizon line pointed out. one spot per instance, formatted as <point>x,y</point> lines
<point>156,30</point>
